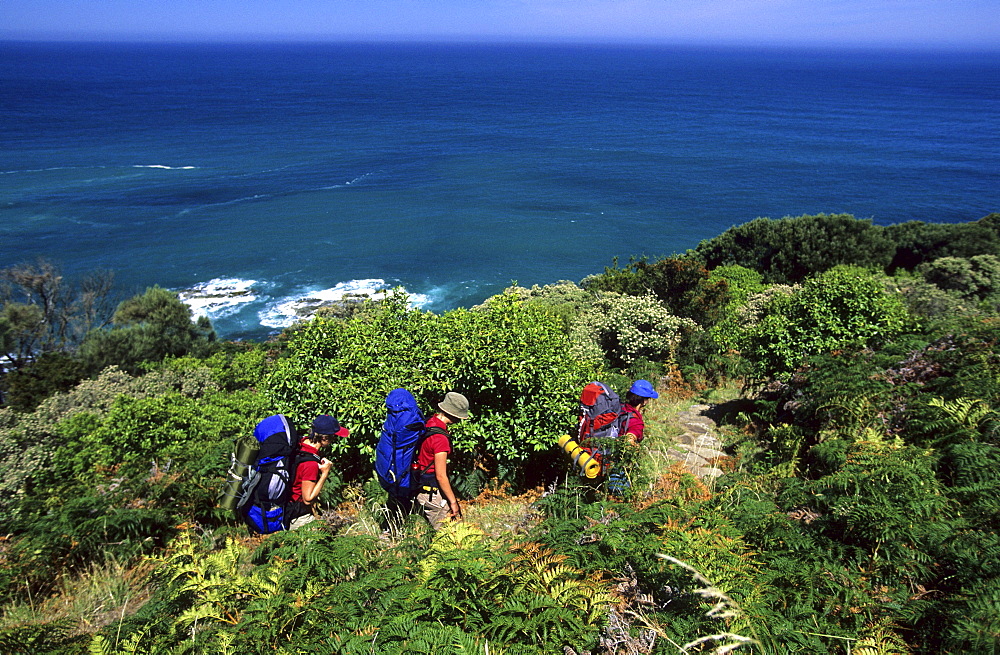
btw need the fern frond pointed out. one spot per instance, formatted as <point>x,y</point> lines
<point>880,639</point>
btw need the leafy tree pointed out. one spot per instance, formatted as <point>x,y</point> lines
<point>845,307</point>
<point>681,283</point>
<point>22,330</point>
<point>42,321</point>
<point>147,328</point>
<point>788,250</point>
<point>60,313</point>
<point>918,242</point>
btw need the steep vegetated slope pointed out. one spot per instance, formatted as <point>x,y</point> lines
<point>852,370</point>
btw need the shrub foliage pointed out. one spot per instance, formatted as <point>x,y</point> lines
<point>859,514</point>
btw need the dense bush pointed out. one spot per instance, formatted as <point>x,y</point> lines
<point>563,299</point>
<point>624,329</point>
<point>974,279</point>
<point>842,308</point>
<point>789,250</point>
<point>742,285</point>
<point>109,468</point>
<point>918,242</point>
<point>313,591</point>
<point>860,516</point>
<point>511,359</point>
<point>890,460</point>
<point>681,283</point>
<point>51,372</point>
<point>927,300</point>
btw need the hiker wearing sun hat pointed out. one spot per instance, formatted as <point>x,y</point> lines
<point>435,496</point>
<point>640,393</point>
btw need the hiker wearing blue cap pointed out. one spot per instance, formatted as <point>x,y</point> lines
<point>638,395</point>
<point>311,470</point>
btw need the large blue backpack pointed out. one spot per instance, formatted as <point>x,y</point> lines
<point>267,487</point>
<point>401,435</point>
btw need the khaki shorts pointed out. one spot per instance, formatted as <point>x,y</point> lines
<point>302,520</point>
<point>434,506</point>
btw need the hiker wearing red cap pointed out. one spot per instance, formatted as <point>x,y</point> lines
<point>311,470</point>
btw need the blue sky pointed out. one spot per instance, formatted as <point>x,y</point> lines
<point>931,23</point>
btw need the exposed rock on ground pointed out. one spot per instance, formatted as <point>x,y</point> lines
<point>698,448</point>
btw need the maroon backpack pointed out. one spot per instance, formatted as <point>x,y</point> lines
<point>602,415</point>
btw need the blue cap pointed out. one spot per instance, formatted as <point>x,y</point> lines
<point>643,389</point>
<point>326,424</point>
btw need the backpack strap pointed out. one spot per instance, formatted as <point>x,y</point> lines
<point>302,456</point>
<point>420,472</point>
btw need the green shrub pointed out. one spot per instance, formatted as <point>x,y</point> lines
<point>625,329</point>
<point>563,299</point>
<point>789,250</point>
<point>842,308</point>
<point>974,279</point>
<point>511,359</point>
<point>681,283</point>
<point>927,300</point>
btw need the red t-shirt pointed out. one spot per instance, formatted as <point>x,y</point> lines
<point>435,443</point>
<point>635,425</point>
<point>307,470</point>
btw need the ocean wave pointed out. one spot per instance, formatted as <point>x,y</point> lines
<point>224,203</point>
<point>38,170</point>
<point>219,297</point>
<point>347,183</point>
<point>224,298</point>
<point>95,166</point>
<point>301,306</point>
<point>164,167</point>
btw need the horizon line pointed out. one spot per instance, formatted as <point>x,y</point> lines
<point>93,39</point>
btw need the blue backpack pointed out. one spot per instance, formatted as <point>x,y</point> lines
<point>402,433</point>
<point>267,486</point>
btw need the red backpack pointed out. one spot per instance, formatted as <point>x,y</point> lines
<point>601,413</point>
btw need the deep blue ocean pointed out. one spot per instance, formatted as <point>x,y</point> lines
<point>295,171</point>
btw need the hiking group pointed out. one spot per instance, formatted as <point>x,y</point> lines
<point>274,483</point>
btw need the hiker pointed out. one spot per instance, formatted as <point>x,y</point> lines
<point>638,395</point>
<point>311,471</point>
<point>434,493</point>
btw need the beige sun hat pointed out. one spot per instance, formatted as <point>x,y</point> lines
<point>455,404</point>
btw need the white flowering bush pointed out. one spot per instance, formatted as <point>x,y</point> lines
<point>624,329</point>
<point>563,299</point>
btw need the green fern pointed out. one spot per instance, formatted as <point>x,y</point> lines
<point>101,645</point>
<point>880,638</point>
<point>38,638</point>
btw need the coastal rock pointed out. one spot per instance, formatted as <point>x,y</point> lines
<point>218,296</point>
